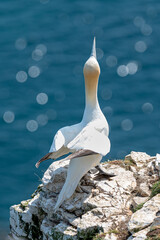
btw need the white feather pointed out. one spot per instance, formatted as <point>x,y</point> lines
<point>64,136</point>
<point>78,167</point>
<point>91,139</point>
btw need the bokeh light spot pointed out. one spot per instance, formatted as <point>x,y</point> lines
<point>99,53</point>
<point>132,67</point>
<point>111,61</point>
<point>42,48</point>
<point>34,71</point>
<point>106,94</point>
<point>21,76</point>
<point>140,46</point>
<point>147,107</point>
<point>108,111</point>
<point>42,98</point>
<point>32,125</point>
<point>37,55</point>
<point>122,71</point>
<point>42,119</point>
<point>146,30</point>
<point>20,43</point>
<point>8,117</point>
<point>138,21</point>
<point>127,124</point>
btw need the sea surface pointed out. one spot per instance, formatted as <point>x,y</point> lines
<point>43,47</point>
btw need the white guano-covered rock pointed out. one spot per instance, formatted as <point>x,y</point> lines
<point>100,205</point>
<point>139,158</point>
<point>145,216</point>
<point>140,235</point>
<point>55,176</point>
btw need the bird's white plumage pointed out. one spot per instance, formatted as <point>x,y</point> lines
<point>64,136</point>
<point>78,167</point>
<point>58,141</point>
<point>90,134</point>
<point>91,139</point>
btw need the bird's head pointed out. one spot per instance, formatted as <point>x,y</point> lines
<point>91,68</point>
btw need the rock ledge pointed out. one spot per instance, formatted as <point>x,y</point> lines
<point>100,208</point>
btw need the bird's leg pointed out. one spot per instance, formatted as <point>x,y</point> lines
<point>104,171</point>
<point>78,188</point>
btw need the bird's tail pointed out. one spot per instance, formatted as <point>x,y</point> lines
<point>78,167</point>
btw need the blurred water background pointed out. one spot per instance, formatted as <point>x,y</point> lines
<point>43,47</point>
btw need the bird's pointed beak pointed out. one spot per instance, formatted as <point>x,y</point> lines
<point>93,53</point>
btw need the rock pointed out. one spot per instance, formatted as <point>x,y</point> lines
<point>145,216</point>
<point>133,169</point>
<point>141,235</point>
<point>111,236</point>
<point>154,164</point>
<point>139,158</point>
<point>55,176</point>
<point>24,223</point>
<point>156,224</point>
<point>144,189</point>
<point>139,200</point>
<point>59,231</point>
<point>123,178</point>
<point>157,162</point>
<point>152,232</point>
<point>101,205</point>
<point>76,202</point>
<point>33,205</point>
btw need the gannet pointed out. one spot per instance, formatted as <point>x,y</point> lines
<point>88,140</point>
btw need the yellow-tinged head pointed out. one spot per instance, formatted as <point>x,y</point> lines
<point>91,68</point>
<point>91,72</point>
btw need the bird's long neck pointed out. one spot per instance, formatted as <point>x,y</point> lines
<point>91,87</point>
<point>91,73</point>
<point>92,109</point>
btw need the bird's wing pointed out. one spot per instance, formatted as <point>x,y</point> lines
<point>64,136</point>
<point>53,155</point>
<point>60,140</point>
<point>80,153</point>
<point>57,148</point>
<point>91,139</point>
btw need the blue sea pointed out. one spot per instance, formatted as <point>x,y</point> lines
<point>43,47</point>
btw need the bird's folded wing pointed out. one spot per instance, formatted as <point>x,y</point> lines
<point>80,153</point>
<point>58,141</point>
<point>57,148</point>
<point>53,155</point>
<point>90,139</point>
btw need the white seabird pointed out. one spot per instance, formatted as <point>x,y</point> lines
<point>88,140</point>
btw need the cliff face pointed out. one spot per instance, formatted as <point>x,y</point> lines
<point>100,208</point>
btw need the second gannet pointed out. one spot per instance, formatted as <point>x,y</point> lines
<point>88,140</point>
